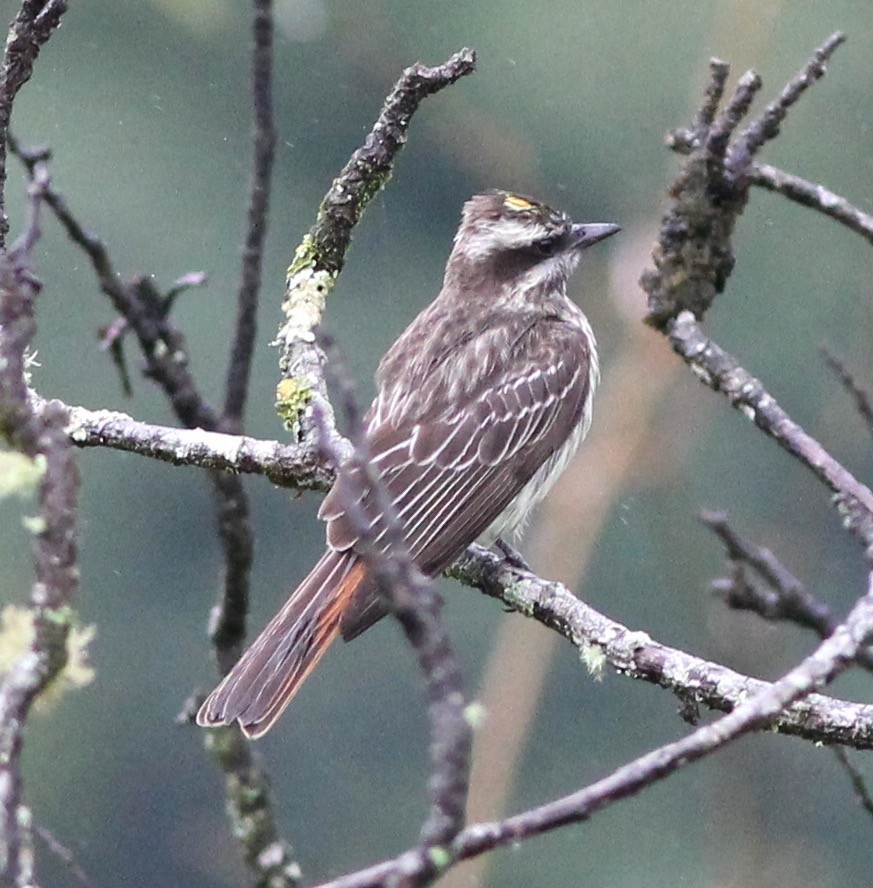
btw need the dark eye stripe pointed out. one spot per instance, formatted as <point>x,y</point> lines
<point>548,246</point>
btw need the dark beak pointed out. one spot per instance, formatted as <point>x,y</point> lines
<point>588,233</point>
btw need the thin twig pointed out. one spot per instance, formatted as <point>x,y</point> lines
<point>65,855</point>
<point>785,597</point>
<point>414,603</point>
<point>725,124</point>
<point>815,196</point>
<point>245,329</point>
<point>765,127</point>
<point>859,785</point>
<point>143,307</point>
<point>859,395</point>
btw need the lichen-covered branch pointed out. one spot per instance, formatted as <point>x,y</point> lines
<point>321,255</point>
<point>694,254</point>
<point>602,640</point>
<point>833,656</point>
<point>39,435</point>
<point>250,807</point>
<point>286,465</point>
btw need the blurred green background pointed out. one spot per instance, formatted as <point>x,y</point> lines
<point>146,107</point>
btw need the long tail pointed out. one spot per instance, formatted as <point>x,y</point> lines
<point>263,681</point>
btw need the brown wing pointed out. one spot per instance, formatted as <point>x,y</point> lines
<point>451,473</point>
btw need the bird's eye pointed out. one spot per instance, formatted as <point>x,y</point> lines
<point>546,246</point>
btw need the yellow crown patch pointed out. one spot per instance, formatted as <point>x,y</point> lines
<point>514,202</point>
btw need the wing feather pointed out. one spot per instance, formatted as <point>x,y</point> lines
<point>451,473</point>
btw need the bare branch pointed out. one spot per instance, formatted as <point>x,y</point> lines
<point>239,369</point>
<point>40,436</point>
<point>720,371</point>
<point>765,127</point>
<point>786,598</point>
<point>30,29</point>
<point>860,396</point>
<point>833,656</point>
<point>286,465</point>
<point>414,603</point>
<point>637,655</point>
<point>813,195</point>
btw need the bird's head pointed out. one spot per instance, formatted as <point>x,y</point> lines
<point>510,239</point>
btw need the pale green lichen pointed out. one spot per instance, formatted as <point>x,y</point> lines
<point>17,635</point>
<point>35,524</point>
<point>440,857</point>
<point>306,288</point>
<point>518,597</point>
<point>293,396</point>
<point>19,474</point>
<point>594,658</point>
<point>475,714</point>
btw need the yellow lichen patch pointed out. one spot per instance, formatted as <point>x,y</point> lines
<point>292,398</point>
<point>16,639</point>
<point>19,474</point>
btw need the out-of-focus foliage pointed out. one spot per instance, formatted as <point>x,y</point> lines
<point>146,108</point>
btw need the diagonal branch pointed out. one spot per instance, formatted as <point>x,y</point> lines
<point>860,396</point>
<point>637,655</point>
<point>320,257</point>
<point>833,656</point>
<point>720,371</point>
<point>785,597</point>
<point>815,196</point>
<point>415,604</point>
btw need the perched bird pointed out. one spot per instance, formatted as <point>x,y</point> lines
<point>481,403</point>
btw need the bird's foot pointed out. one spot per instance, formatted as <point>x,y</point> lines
<point>512,555</point>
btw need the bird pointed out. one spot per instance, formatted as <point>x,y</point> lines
<point>480,405</point>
